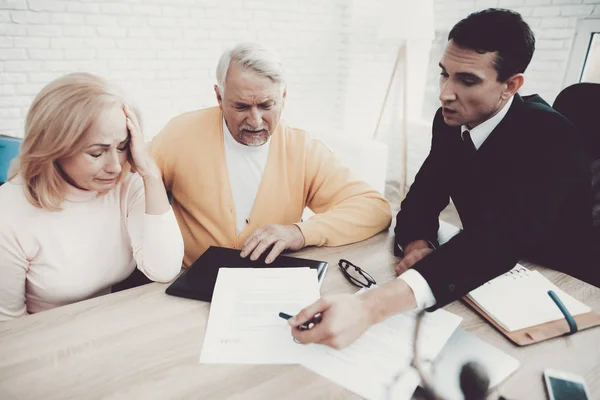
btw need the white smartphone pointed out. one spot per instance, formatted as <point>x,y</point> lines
<point>565,386</point>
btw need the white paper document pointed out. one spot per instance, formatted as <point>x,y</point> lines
<point>367,367</point>
<point>244,326</point>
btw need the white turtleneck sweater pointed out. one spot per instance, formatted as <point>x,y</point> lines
<point>53,258</point>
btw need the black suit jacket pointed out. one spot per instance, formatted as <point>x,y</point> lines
<point>525,194</point>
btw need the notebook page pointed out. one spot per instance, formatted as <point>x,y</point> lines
<point>518,301</point>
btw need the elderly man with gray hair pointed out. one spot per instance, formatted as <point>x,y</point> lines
<point>241,177</point>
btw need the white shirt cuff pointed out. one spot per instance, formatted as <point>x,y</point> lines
<point>420,288</point>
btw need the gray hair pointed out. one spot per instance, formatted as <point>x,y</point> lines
<point>255,56</point>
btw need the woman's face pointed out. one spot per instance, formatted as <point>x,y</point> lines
<point>106,149</point>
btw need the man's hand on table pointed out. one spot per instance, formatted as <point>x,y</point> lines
<point>281,237</point>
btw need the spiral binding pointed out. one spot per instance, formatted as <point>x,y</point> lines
<point>519,272</point>
<point>515,273</point>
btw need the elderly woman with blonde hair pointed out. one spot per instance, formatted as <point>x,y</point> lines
<point>84,203</point>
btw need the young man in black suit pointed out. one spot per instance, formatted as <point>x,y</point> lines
<point>515,169</point>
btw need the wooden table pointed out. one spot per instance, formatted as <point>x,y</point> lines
<point>142,344</point>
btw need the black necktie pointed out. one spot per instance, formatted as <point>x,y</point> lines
<point>468,144</point>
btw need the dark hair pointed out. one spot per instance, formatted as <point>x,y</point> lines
<point>497,30</point>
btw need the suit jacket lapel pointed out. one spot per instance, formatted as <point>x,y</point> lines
<point>505,131</point>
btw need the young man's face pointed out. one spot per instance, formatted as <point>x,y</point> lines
<point>469,89</point>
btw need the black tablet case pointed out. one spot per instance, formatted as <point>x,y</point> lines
<point>198,281</point>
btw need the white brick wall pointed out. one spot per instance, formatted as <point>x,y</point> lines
<point>163,53</point>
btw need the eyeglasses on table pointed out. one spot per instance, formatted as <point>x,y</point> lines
<point>356,275</point>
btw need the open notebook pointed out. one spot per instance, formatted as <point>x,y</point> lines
<point>519,299</point>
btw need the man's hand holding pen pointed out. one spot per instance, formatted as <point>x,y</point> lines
<point>344,318</point>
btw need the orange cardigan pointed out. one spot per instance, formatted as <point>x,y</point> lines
<point>300,172</point>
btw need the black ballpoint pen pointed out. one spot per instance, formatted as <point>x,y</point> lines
<point>308,324</point>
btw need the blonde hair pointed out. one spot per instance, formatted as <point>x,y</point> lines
<point>55,128</point>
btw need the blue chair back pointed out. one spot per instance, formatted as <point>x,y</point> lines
<point>9,149</point>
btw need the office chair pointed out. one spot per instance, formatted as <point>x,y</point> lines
<point>580,104</point>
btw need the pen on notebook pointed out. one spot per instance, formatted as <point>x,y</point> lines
<point>308,324</point>
<point>564,311</point>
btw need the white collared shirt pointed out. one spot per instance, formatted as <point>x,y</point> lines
<point>421,289</point>
<point>481,132</point>
<point>245,167</point>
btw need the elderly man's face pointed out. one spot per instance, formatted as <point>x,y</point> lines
<point>251,105</point>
